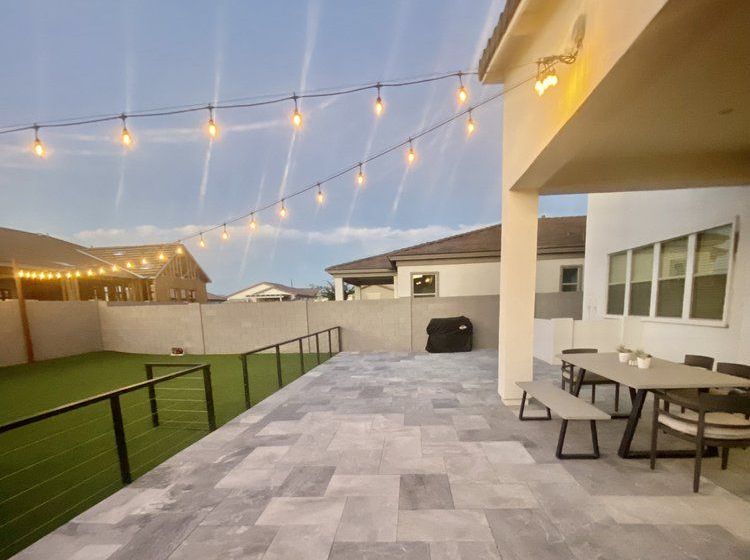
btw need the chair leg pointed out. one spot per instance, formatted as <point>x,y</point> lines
<point>654,431</point>
<point>617,397</point>
<point>593,394</point>
<point>698,461</point>
<point>724,458</point>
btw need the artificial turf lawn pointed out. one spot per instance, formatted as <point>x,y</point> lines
<point>52,470</point>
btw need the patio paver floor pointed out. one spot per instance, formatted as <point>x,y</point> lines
<point>411,456</point>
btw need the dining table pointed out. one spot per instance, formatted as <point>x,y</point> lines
<point>662,375</point>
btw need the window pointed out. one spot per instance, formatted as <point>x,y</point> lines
<point>570,279</point>
<point>616,289</point>
<point>641,272</point>
<point>172,294</point>
<point>710,273</point>
<point>191,295</point>
<point>672,268</point>
<point>424,285</point>
<point>691,273</point>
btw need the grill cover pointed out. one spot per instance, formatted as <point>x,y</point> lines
<point>450,334</point>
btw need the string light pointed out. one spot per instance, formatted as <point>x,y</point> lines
<point>296,116</point>
<point>320,197</point>
<point>379,108</point>
<point>360,176</point>
<point>253,223</point>
<point>201,242</point>
<point>68,275</point>
<point>225,233</point>
<point>128,264</point>
<point>125,137</point>
<point>38,146</point>
<point>114,268</point>
<point>101,270</point>
<point>213,129</point>
<point>162,257</point>
<point>144,261</point>
<point>58,275</point>
<point>78,274</point>
<point>179,250</point>
<point>283,211</point>
<point>462,94</point>
<point>470,125</point>
<point>411,155</point>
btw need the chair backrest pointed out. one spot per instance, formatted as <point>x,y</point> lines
<point>581,351</point>
<point>705,362</point>
<point>740,370</point>
<point>724,403</point>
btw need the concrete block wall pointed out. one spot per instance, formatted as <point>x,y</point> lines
<point>12,350</point>
<point>151,329</point>
<point>64,328</point>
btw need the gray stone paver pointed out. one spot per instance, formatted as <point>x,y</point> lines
<point>411,456</point>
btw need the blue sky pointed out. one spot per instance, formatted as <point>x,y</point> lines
<point>86,58</point>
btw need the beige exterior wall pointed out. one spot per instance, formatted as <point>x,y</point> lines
<point>375,292</point>
<point>532,121</point>
<point>12,350</point>
<point>64,328</point>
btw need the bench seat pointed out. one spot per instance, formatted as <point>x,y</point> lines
<point>568,407</point>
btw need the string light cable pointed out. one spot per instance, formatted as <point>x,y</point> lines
<point>283,212</point>
<point>239,103</point>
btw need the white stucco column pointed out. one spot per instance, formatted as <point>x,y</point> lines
<point>338,284</point>
<point>517,290</point>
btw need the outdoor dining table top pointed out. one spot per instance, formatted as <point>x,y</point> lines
<point>662,374</point>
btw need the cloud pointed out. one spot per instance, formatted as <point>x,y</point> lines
<point>373,239</point>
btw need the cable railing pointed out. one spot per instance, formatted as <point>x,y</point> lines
<point>56,463</point>
<point>301,351</point>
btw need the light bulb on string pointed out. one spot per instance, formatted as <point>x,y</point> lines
<point>411,155</point>
<point>379,107</point>
<point>253,223</point>
<point>296,116</point>
<point>201,242</point>
<point>68,275</point>
<point>470,125</point>
<point>224,233</point>
<point>128,264</point>
<point>162,256</point>
<point>179,250</point>
<point>320,197</point>
<point>212,128</point>
<point>58,275</point>
<point>462,93</point>
<point>38,146</point>
<point>144,261</point>
<point>283,212</point>
<point>360,176</point>
<point>125,137</point>
<point>101,270</point>
<point>114,268</point>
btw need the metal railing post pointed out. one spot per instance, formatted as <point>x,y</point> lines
<point>317,347</point>
<point>330,348</point>
<point>152,396</point>
<point>122,448</point>
<point>339,331</point>
<point>301,359</point>
<point>209,398</point>
<point>278,367</point>
<point>246,380</point>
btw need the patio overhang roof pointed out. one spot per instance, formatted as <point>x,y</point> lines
<point>671,112</point>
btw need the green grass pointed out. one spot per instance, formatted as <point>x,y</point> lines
<point>52,470</point>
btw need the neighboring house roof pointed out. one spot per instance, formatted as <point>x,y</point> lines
<point>37,250</point>
<point>554,236</point>
<point>497,35</point>
<point>260,287</point>
<point>134,254</point>
<point>215,297</point>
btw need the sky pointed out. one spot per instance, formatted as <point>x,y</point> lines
<point>88,58</point>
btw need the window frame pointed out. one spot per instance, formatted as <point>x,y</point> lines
<point>687,295</point>
<point>579,277</point>
<point>426,273</point>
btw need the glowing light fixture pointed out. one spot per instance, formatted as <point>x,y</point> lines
<point>462,93</point>
<point>179,250</point>
<point>224,233</point>
<point>379,107</point>
<point>38,146</point>
<point>128,264</point>
<point>162,257</point>
<point>58,275</point>
<point>411,155</point>
<point>68,275</point>
<point>360,176</point>
<point>296,116</point>
<point>101,270</point>
<point>283,212</point>
<point>125,136</point>
<point>470,125</point>
<point>144,261</point>
<point>320,197</point>
<point>546,77</point>
<point>201,242</point>
<point>253,223</point>
<point>213,129</point>
<point>114,268</point>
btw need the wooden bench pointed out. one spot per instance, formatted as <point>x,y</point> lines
<point>568,407</point>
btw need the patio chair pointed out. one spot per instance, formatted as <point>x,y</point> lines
<point>716,421</point>
<point>696,360</point>
<point>567,372</point>
<point>740,370</point>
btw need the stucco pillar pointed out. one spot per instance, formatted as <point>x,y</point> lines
<point>517,287</point>
<point>338,284</point>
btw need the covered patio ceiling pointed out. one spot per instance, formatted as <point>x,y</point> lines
<point>673,112</point>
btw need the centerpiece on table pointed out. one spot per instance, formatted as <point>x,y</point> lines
<point>624,353</point>
<point>643,359</point>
